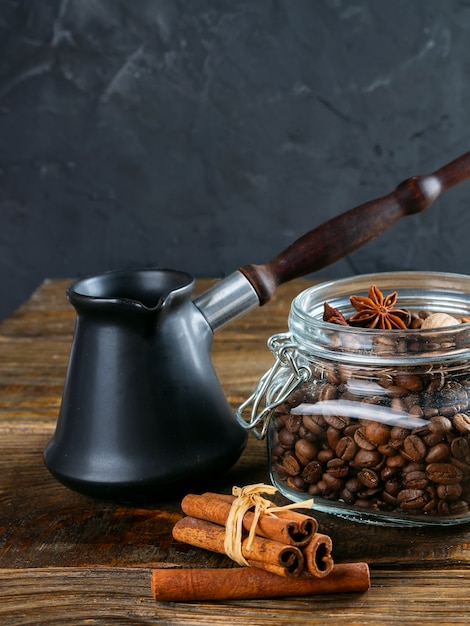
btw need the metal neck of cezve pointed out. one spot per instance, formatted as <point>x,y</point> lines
<point>226,300</point>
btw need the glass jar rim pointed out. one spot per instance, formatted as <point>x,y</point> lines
<point>436,291</point>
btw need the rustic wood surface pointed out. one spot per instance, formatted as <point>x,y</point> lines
<point>66,558</point>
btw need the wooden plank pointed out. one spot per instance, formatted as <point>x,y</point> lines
<point>122,596</point>
<point>38,514</point>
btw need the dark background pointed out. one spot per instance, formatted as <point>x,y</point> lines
<point>205,134</point>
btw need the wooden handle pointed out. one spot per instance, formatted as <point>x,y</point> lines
<point>343,234</point>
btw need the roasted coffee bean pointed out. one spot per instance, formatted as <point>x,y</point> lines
<point>460,448</point>
<point>409,381</point>
<point>437,453</point>
<point>306,434</point>
<point>396,391</point>
<point>280,471</point>
<point>291,464</point>
<point>347,395</point>
<point>451,410</point>
<point>277,451</point>
<point>449,492</point>
<point>459,507</point>
<point>368,477</point>
<point>314,423</point>
<point>462,464</point>
<point>314,490</point>
<point>331,482</point>
<point>440,424</point>
<point>325,455</point>
<point>415,480</point>
<point>337,468</point>
<point>412,401</point>
<point>431,439</point>
<point>416,411</point>
<point>377,433</point>
<point>333,435</point>
<point>386,449</point>
<point>286,438</point>
<point>346,448</point>
<point>337,421</point>
<point>444,473</point>
<point>387,472</point>
<point>431,495</point>
<point>369,493</point>
<point>461,422</point>
<point>367,458</point>
<point>363,441</point>
<point>296,483</point>
<point>326,392</point>
<point>312,472</point>
<point>414,466</point>
<point>396,461</point>
<point>443,508</point>
<point>353,484</point>
<point>421,431</point>
<point>280,419</point>
<point>350,430</point>
<point>375,400</point>
<point>393,485</point>
<point>398,435</point>
<point>293,423</point>
<point>389,499</point>
<point>412,499</point>
<point>414,448</point>
<point>347,496</point>
<point>305,451</point>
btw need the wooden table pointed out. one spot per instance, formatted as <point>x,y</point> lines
<point>69,559</point>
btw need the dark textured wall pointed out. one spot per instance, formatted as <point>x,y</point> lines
<point>206,134</point>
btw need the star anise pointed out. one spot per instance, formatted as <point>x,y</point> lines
<point>375,311</point>
<point>332,315</point>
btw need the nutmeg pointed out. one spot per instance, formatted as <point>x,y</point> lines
<point>439,320</point>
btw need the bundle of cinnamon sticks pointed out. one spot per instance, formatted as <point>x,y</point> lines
<point>285,553</point>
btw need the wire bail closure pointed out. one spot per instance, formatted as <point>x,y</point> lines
<point>286,353</point>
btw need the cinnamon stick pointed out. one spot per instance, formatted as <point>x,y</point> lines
<point>287,527</point>
<point>273,556</point>
<point>192,585</point>
<point>298,530</point>
<point>317,555</point>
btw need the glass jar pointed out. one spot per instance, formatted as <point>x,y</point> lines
<point>374,425</point>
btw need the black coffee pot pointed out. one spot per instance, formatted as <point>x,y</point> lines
<point>143,415</point>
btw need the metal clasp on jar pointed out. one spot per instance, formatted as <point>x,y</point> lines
<point>290,369</point>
